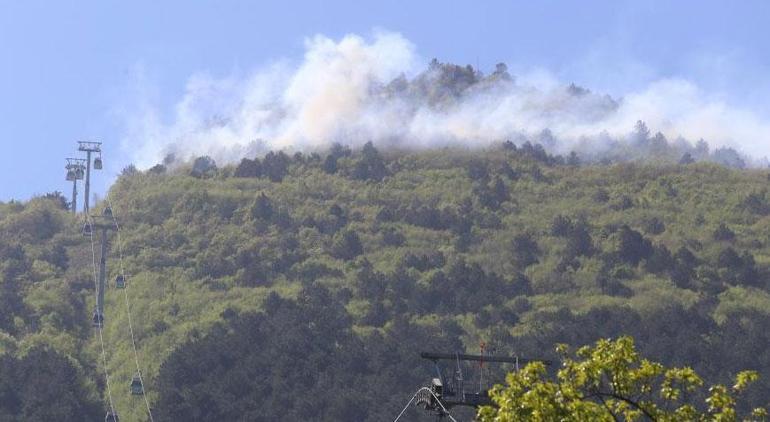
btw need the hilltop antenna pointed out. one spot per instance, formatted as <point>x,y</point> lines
<point>88,148</point>
<point>75,171</point>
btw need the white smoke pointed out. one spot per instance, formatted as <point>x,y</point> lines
<point>344,91</point>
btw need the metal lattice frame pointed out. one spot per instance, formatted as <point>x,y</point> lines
<point>77,166</point>
<point>88,147</point>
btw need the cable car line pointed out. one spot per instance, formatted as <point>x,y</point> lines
<point>98,319</point>
<point>446,412</point>
<point>128,313</point>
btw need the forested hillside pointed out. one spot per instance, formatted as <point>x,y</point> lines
<point>302,287</point>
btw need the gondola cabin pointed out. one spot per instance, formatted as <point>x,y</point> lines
<point>97,319</point>
<point>120,282</point>
<point>136,386</point>
<point>87,230</point>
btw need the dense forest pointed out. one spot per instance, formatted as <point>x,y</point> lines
<point>303,287</point>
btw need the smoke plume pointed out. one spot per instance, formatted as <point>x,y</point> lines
<point>355,90</point>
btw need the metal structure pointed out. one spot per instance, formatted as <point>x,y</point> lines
<point>75,171</point>
<point>102,223</point>
<point>93,225</point>
<point>444,393</point>
<point>89,148</point>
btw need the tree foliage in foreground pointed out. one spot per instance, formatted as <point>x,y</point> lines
<point>610,381</point>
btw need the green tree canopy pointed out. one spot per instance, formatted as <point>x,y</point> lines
<point>610,381</point>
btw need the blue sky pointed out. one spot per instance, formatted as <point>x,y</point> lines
<point>64,66</point>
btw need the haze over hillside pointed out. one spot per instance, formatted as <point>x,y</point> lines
<point>364,211</point>
<point>138,80</point>
<point>358,89</point>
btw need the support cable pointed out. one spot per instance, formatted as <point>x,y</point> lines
<point>99,326</point>
<point>128,308</point>
<point>434,396</point>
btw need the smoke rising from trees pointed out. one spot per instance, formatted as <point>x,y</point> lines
<point>356,90</point>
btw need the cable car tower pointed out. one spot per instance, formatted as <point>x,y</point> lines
<point>88,148</point>
<point>76,168</point>
<point>444,394</point>
<point>103,223</point>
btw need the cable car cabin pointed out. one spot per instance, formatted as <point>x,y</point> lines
<point>107,212</point>
<point>87,230</point>
<point>97,320</point>
<point>120,282</point>
<point>79,173</point>
<point>98,163</point>
<point>136,386</point>
<point>112,417</point>
<point>71,176</point>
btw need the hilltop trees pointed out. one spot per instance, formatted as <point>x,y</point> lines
<point>249,168</point>
<point>275,166</point>
<point>203,167</point>
<point>370,166</point>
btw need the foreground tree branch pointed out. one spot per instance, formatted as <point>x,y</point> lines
<point>601,382</point>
